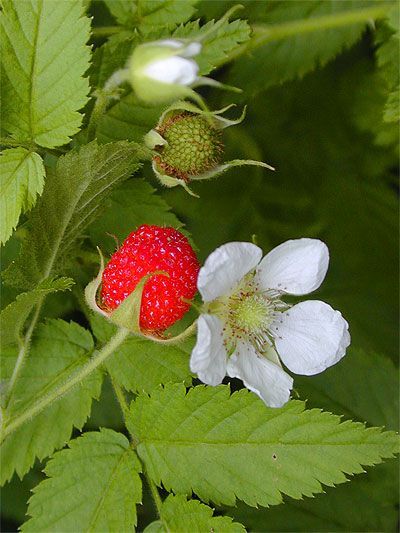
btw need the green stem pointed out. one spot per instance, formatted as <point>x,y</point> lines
<point>75,378</point>
<point>99,109</point>
<point>105,31</point>
<point>119,393</point>
<point>23,351</point>
<point>263,34</point>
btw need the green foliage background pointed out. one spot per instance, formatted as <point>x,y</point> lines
<point>322,110</point>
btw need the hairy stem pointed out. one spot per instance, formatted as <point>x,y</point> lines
<point>23,351</point>
<point>97,359</point>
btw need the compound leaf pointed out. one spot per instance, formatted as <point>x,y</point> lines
<point>73,196</point>
<point>94,483</point>
<point>178,514</point>
<point>224,447</point>
<point>22,179</point>
<point>43,61</point>
<point>57,349</point>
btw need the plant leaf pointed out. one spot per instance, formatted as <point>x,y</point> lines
<point>132,204</point>
<point>95,483</point>
<point>219,44</point>
<point>73,197</point>
<point>296,38</point>
<point>122,10</point>
<point>127,120</point>
<point>163,14</point>
<point>44,59</point>
<point>57,348</point>
<point>13,317</point>
<point>226,447</point>
<point>142,365</point>
<point>178,514</point>
<point>22,179</point>
<point>364,385</point>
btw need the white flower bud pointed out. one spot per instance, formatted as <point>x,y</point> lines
<point>162,70</point>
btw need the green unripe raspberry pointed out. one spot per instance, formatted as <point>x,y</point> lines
<point>193,146</point>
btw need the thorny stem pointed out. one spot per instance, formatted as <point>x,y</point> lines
<point>97,359</point>
<point>119,393</point>
<point>105,31</point>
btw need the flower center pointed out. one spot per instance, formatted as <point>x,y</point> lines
<point>249,313</point>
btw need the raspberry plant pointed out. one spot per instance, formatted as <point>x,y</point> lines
<point>103,426</point>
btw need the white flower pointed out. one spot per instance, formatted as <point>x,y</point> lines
<point>246,329</point>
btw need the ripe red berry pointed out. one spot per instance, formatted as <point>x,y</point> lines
<point>146,250</point>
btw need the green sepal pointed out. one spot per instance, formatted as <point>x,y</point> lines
<point>127,314</point>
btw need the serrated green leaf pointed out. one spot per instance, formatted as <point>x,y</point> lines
<point>13,317</point>
<point>72,198</point>
<point>44,59</point>
<point>218,45</point>
<point>388,57</point>
<point>156,15</point>
<point>93,486</point>
<point>364,385</point>
<point>132,204</point>
<point>122,10</point>
<point>127,120</point>
<point>57,348</point>
<point>22,179</point>
<point>297,37</point>
<point>178,514</point>
<point>226,447</point>
<point>142,365</point>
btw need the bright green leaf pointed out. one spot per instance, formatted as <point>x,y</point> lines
<point>58,347</point>
<point>72,198</point>
<point>92,486</point>
<point>13,317</point>
<point>226,447</point>
<point>44,58</point>
<point>140,364</point>
<point>22,179</point>
<point>178,514</point>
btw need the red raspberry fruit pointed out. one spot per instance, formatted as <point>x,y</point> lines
<point>146,250</point>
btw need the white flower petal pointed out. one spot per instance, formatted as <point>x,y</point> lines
<point>208,359</point>
<point>296,267</point>
<point>310,337</point>
<point>260,375</point>
<point>175,70</point>
<point>225,267</point>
